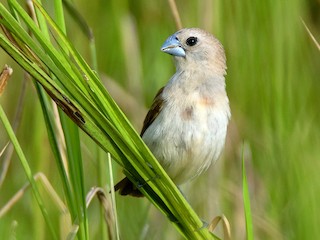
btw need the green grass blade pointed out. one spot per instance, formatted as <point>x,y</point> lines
<point>72,138</point>
<point>70,198</point>
<point>46,109</point>
<point>71,135</point>
<point>27,170</point>
<point>100,113</point>
<point>246,201</point>
<point>74,158</point>
<point>50,126</point>
<point>90,127</point>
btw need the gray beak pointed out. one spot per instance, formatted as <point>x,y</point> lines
<point>173,47</point>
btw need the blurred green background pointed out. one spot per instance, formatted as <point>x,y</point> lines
<point>273,84</point>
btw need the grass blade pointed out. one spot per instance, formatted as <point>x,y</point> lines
<point>27,170</point>
<point>246,201</point>
<point>88,104</point>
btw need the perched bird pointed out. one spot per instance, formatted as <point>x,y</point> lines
<point>186,126</point>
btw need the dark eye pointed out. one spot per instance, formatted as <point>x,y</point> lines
<point>191,41</point>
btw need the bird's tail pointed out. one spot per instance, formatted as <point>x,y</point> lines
<point>126,187</point>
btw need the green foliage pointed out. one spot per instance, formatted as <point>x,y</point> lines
<point>272,82</point>
<point>76,89</point>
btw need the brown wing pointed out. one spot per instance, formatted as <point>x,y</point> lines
<point>154,111</point>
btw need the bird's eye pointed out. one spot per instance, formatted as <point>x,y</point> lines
<point>191,41</point>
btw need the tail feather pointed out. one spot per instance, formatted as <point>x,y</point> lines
<point>126,187</point>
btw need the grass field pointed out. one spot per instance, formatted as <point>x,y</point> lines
<point>273,85</point>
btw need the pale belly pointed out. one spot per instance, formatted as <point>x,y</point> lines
<point>187,140</point>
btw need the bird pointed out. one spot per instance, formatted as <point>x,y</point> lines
<point>186,126</point>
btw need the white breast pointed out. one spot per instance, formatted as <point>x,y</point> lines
<point>189,133</point>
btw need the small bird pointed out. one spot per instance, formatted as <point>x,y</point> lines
<point>186,126</point>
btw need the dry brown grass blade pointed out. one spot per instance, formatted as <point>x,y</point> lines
<point>73,232</point>
<point>107,207</point>
<point>175,13</point>
<point>4,149</point>
<point>21,46</point>
<point>225,225</point>
<point>311,35</point>
<point>9,36</point>
<point>4,77</point>
<point>47,186</point>
<point>65,224</point>
<point>5,163</point>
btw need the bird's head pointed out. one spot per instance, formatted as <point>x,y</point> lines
<point>196,48</point>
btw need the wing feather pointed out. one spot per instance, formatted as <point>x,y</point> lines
<point>154,111</point>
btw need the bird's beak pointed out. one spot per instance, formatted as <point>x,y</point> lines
<point>173,47</point>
